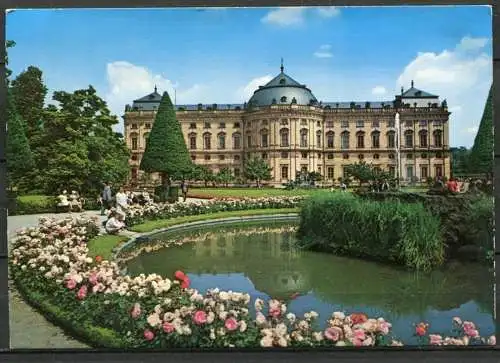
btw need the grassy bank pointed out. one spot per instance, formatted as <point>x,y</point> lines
<point>389,231</point>
<point>103,245</point>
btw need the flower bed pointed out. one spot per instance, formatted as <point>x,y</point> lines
<point>51,261</point>
<point>154,211</point>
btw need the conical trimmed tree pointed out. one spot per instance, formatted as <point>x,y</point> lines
<point>481,157</point>
<point>19,156</point>
<point>166,151</point>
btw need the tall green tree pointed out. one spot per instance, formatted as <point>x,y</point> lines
<point>460,160</point>
<point>256,169</point>
<point>78,148</point>
<point>166,151</point>
<point>29,93</point>
<point>225,176</point>
<point>481,156</point>
<point>19,157</point>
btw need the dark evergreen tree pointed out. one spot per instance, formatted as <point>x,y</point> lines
<point>29,94</point>
<point>166,151</point>
<point>19,156</point>
<point>481,156</point>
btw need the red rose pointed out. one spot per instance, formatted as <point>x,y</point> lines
<point>358,318</point>
<point>179,275</point>
<point>98,259</point>
<point>421,329</point>
<point>185,283</point>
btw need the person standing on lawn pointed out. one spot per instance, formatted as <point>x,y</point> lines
<point>121,202</point>
<point>184,190</point>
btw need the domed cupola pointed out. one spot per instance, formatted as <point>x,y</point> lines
<point>282,90</point>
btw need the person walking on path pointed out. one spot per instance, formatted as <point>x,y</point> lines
<point>184,190</point>
<point>107,197</point>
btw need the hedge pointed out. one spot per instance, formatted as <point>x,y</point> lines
<point>388,231</point>
<point>39,204</point>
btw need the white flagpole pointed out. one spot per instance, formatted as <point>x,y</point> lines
<point>398,151</point>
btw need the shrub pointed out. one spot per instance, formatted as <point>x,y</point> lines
<point>386,231</point>
<point>35,204</point>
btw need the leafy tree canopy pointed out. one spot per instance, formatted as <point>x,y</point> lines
<point>256,169</point>
<point>481,156</point>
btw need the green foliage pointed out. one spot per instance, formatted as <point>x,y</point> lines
<point>388,231</point>
<point>166,151</point>
<point>19,156</point>
<point>77,148</point>
<point>256,169</point>
<point>8,72</point>
<point>201,173</point>
<point>481,156</point>
<point>29,94</point>
<point>365,173</point>
<point>38,204</point>
<point>224,176</point>
<point>460,160</point>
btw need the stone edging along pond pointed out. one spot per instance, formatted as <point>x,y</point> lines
<point>52,265</point>
<point>205,223</point>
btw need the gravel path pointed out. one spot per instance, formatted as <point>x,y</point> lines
<point>28,328</point>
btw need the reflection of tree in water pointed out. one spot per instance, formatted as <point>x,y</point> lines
<point>278,269</point>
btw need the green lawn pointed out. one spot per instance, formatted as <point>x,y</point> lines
<point>103,245</point>
<point>35,199</point>
<point>246,192</point>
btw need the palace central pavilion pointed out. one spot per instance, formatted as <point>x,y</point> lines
<point>287,126</point>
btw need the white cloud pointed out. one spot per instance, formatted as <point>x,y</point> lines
<point>379,90</point>
<point>460,76</point>
<point>285,16</point>
<point>470,44</point>
<point>328,11</point>
<point>245,92</point>
<point>323,51</point>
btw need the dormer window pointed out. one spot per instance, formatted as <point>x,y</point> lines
<point>283,99</point>
<point>282,81</point>
<point>294,100</point>
<point>273,101</point>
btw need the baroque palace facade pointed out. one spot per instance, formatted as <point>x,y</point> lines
<point>284,123</point>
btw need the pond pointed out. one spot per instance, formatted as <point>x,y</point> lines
<point>262,261</point>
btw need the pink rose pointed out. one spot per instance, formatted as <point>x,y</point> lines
<point>492,340</point>
<point>231,324</point>
<point>435,339</point>
<point>93,278</point>
<point>333,334</point>
<point>357,342</point>
<point>136,311</point>
<point>275,312</point>
<point>200,317</point>
<point>82,292</point>
<point>71,284</point>
<point>168,327</point>
<point>469,325</point>
<point>473,333</point>
<point>148,335</point>
<point>359,334</point>
<point>384,327</point>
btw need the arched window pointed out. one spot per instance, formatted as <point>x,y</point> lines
<point>134,141</point>
<point>134,173</point>
<point>375,139</point>
<point>207,140</point>
<point>318,138</point>
<point>264,138</point>
<point>360,139</point>
<point>438,138</point>
<point>408,138</point>
<point>303,137</point>
<point>283,99</point>
<point>330,139</point>
<point>145,138</point>
<point>423,138</point>
<point>284,138</point>
<point>192,140</point>
<point>391,139</point>
<point>344,140</point>
<point>236,140</point>
<point>221,140</point>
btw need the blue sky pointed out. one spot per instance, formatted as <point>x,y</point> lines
<point>222,55</point>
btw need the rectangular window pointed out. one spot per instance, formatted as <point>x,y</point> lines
<point>391,123</point>
<point>264,140</point>
<point>423,123</point>
<point>304,155</point>
<point>249,141</point>
<point>424,172</point>
<point>409,123</point>
<point>193,157</point>
<point>345,124</point>
<point>134,143</point>
<point>329,124</point>
<point>392,171</point>
<point>221,157</point>
<point>207,157</point>
<point>192,142</point>
<point>207,125</point>
<point>284,172</point>
<point>439,170</point>
<point>222,142</point>
<point>148,125</point>
<point>222,125</point>
<point>134,127</point>
<point>236,172</point>
<point>264,155</point>
<point>376,123</point>
<point>192,125</point>
<point>284,155</point>
<point>330,173</point>
<point>437,123</point>
<point>236,126</point>
<point>360,123</point>
<point>303,122</point>
<point>409,172</point>
<point>330,156</point>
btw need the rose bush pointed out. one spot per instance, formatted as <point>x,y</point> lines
<point>153,211</point>
<point>52,262</point>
